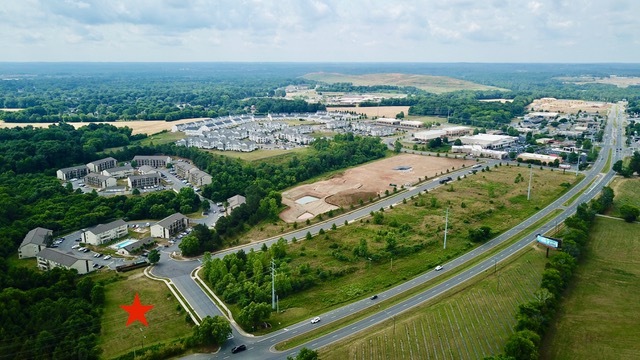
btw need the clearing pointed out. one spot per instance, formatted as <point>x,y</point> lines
<point>375,111</point>
<point>433,84</point>
<point>569,106</point>
<point>619,81</point>
<point>363,183</point>
<point>138,126</point>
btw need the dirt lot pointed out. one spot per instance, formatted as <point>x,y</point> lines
<point>363,182</point>
<point>138,126</point>
<point>568,106</point>
<point>379,111</point>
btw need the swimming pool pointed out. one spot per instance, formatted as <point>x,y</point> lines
<point>122,244</point>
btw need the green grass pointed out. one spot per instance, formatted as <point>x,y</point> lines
<point>15,261</point>
<point>625,193</point>
<point>260,154</point>
<point>607,166</point>
<point>325,329</point>
<point>162,138</point>
<point>577,195</point>
<point>485,203</point>
<point>468,322</point>
<point>598,317</point>
<point>166,320</point>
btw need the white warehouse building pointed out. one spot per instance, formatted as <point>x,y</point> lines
<point>489,141</point>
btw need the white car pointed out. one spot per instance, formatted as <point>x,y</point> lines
<point>107,257</point>
<point>315,320</point>
<point>439,267</point>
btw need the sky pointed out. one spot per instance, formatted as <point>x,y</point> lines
<point>569,31</point>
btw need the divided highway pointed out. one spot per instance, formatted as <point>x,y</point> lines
<point>262,347</point>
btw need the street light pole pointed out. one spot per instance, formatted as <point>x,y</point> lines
<point>446,225</point>
<point>530,176</point>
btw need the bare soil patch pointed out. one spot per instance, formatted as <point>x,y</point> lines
<point>364,182</point>
<point>568,106</point>
<point>138,126</point>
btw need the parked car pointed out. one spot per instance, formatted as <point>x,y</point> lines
<point>107,257</point>
<point>315,320</point>
<point>237,349</point>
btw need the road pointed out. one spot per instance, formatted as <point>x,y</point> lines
<point>262,347</point>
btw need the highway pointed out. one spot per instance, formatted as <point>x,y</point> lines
<point>262,347</point>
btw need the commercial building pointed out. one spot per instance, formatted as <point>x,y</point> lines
<point>103,233</point>
<point>387,121</point>
<point>153,161</point>
<point>411,123</point>
<point>449,132</point>
<point>489,141</point>
<point>34,242</point>
<point>548,159</point>
<point>140,181</point>
<point>50,258</point>
<point>136,246</point>
<point>99,180</point>
<point>479,151</point>
<point>74,172</point>
<point>119,172</point>
<point>102,164</point>
<point>169,226</point>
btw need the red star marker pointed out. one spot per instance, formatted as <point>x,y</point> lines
<point>136,311</point>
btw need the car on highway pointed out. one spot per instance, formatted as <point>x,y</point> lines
<point>439,267</point>
<point>237,349</point>
<point>374,297</point>
<point>315,320</point>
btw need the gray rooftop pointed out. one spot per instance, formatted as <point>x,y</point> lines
<point>101,161</point>
<point>73,168</point>
<point>144,176</point>
<point>99,229</point>
<point>138,244</point>
<point>36,236</point>
<point>57,257</point>
<point>170,219</point>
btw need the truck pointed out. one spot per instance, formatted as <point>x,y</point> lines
<point>564,166</point>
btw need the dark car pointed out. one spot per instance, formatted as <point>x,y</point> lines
<point>237,349</point>
<point>374,297</point>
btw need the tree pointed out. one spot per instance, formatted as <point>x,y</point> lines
<point>305,354</point>
<point>397,146</point>
<point>618,166</point>
<point>135,191</point>
<point>254,313</point>
<point>629,213</point>
<point>212,331</point>
<point>522,345</point>
<point>458,142</point>
<point>154,256</point>
<point>189,245</point>
<point>400,115</point>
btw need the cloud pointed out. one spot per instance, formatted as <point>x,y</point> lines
<point>315,30</point>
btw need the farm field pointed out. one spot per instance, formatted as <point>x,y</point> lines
<point>411,234</point>
<point>165,321</point>
<point>434,84</point>
<point>469,322</point>
<point>598,316</point>
<point>363,183</point>
<point>376,111</point>
<point>138,126</point>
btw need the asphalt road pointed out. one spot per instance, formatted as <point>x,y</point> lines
<point>262,347</point>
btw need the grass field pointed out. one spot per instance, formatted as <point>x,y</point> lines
<point>598,318</point>
<point>260,154</point>
<point>469,322</point>
<point>490,199</point>
<point>166,320</point>
<point>162,138</point>
<point>625,193</point>
<point>434,84</point>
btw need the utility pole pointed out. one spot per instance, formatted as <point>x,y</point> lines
<point>530,176</point>
<point>446,226</point>
<point>578,166</point>
<point>273,284</point>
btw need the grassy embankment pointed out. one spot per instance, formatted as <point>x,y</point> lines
<point>488,198</point>
<point>167,320</point>
<point>626,193</point>
<point>598,316</point>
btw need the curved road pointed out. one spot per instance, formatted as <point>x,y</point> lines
<point>261,347</point>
